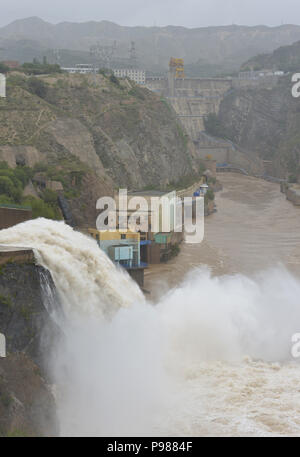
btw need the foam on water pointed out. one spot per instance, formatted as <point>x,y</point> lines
<point>212,357</point>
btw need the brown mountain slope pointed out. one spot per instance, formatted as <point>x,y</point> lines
<point>114,132</point>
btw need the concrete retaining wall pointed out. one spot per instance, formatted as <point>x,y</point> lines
<point>16,255</point>
<point>13,216</point>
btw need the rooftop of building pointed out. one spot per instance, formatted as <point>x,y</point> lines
<point>149,193</point>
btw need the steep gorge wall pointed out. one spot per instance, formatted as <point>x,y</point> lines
<point>27,406</point>
<point>266,123</point>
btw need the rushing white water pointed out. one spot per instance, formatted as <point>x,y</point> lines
<point>212,358</point>
<point>85,277</point>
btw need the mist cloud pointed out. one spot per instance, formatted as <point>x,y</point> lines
<point>189,13</point>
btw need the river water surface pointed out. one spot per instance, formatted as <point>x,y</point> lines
<point>254,228</point>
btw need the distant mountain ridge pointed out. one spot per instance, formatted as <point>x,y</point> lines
<point>286,58</point>
<point>225,47</point>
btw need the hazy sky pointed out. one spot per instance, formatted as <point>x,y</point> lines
<point>190,13</point>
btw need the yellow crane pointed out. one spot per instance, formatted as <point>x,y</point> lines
<point>177,65</point>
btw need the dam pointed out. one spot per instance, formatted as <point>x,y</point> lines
<point>194,99</point>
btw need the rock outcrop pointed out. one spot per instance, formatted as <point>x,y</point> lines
<point>113,132</point>
<point>265,123</point>
<point>27,406</point>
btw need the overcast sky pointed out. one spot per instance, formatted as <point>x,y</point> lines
<point>189,13</point>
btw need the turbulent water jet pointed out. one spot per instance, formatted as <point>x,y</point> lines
<point>85,277</point>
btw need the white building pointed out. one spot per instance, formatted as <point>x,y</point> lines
<point>2,85</point>
<point>82,68</point>
<point>259,74</point>
<point>138,76</point>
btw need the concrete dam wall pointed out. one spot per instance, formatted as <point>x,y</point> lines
<point>193,99</point>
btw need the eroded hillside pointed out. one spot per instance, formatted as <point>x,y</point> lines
<point>92,134</point>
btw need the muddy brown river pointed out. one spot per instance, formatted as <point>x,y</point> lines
<point>254,228</point>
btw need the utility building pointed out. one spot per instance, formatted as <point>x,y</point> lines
<point>81,68</point>
<point>123,248</point>
<point>136,75</point>
<point>153,251</point>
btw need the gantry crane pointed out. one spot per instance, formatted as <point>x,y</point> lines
<point>177,66</point>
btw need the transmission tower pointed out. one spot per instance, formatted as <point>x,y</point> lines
<point>133,56</point>
<point>56,54</point>
<point>103,54</point>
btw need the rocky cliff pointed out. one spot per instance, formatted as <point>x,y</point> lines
<point>93,134</point>
<point>264,122</point>
<point>27,406</point>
